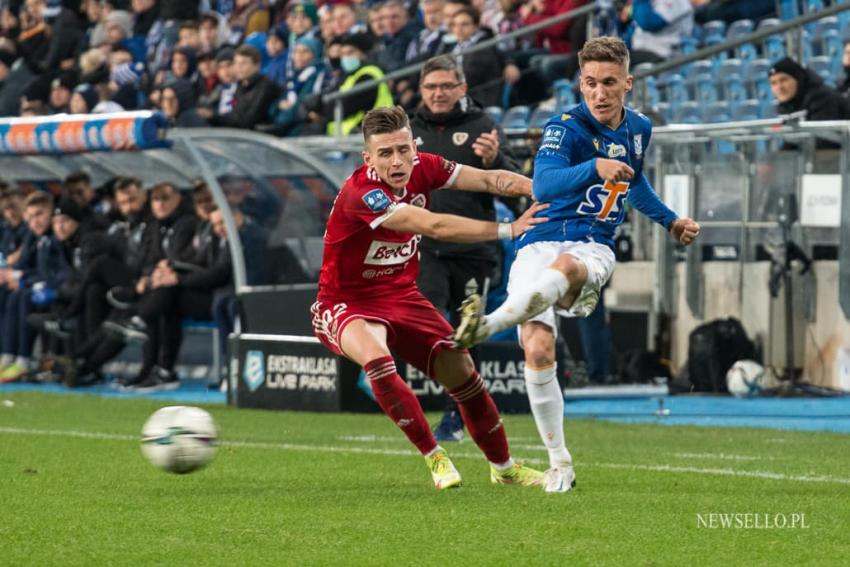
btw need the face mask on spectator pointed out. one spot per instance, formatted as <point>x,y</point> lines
<point>349,63</point>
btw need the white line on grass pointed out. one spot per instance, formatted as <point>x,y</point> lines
<point>721,457</point>
<point>407,453</point>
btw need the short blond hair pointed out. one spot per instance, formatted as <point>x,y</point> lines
<point>605,49</point>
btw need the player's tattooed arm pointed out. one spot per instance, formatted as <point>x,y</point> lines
<point>497,181</point>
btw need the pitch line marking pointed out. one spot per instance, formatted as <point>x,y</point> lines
<point>766,475</point>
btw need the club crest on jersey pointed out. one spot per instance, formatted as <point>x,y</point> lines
<point>605,202</point>
<point>459,138</point>
<point>616,150</point>
<point>418,201</point>
<point>552,137</point>
<point>418,141</point>
<point>376,200</point>
<point>638,145</point>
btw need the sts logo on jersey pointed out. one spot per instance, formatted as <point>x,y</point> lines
<point>605,201</point>
<point>376,200</point>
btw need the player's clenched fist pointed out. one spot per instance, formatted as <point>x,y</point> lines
<point>528,220</point>
<point>684,230</point>
<point>613,170</point>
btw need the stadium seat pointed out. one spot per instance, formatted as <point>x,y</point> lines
<point>757,70</point>
<point>731,67</point>
<point>665,110</point>
<point>773,48</point>
<point>688,45</point>
<point>746,52</point>
<point>767,109</point>
<point>540,117</point>
<point>516,117</point>
<point>762,89</point>
<point>739,28</point>
<point>733,88</point>
<point>824,26</point>
<point>714,27</point>
<point>720,111</point>
<point>747,110</point>
<point>830,44</point>
<point>565,95</point>
<point>675,89</point>
<point>822,65</point>
<point>705,91</point>
<point>687,113</point>
<point>495,113</point>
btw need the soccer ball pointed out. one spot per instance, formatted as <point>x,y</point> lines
<point>746,379</point>
<point>179,439</point>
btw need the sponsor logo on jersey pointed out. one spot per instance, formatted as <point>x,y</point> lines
<point>460,138</point>
<point>553,136</point>
<point>605,202</point>
<point>616,150</point>
<point>638,145</point>
<point>596,143</point>
<point>390,253</point>
<point>376,200</point>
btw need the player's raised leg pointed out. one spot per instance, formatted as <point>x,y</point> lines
<point>547,402</point>
<point>455,370</point>
<point>365,343</point>
<point>559,283</point>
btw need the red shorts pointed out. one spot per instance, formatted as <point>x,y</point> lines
<point>416,331</point>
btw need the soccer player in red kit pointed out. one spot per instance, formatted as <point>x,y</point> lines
<point>368,302</point>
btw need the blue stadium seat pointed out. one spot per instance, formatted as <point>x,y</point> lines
<point>757,70</point>
<point>768,23</point>
<point>495,113</point>
<point>665,110</point>
<point>565,96</point>
<point>705,92</point>
<point>762,89</point>
<point>731,67</point>
<point>767,108</point>
<point>739,28</point>
<point>540,117</point>
<point>675,89</point>
<point>746,52</point>
<point>516,117</point>
<point>773,48</point>
<point>687,113</point>
<point>688,45</point>
<point>830,44</point>
<point>747,110</point>
<point>734,89</point>
<point>824,26</point>
<point>720,111</point>
<point>714,27</point>
<point>699,68</point>
<point>823,66</point>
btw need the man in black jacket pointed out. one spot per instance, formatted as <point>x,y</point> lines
<point>254,95</point>
<point>450,124</point>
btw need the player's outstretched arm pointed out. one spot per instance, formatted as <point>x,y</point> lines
<point>496,181</point>
<point>453,228</point>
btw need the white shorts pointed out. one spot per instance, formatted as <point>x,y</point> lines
<point>536,257</point>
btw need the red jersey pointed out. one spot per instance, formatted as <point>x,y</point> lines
<point>361,258</point>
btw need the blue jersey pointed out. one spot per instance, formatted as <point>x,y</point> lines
<point>583,207</point>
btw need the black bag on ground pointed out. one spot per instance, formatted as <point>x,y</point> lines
<point>712,349</point>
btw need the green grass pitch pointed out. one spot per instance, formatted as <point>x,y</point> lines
<point>323,489</point>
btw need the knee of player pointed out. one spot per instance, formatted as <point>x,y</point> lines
<point>539,349</point>
<point>572,268</point>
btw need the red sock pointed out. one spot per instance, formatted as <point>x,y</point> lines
<point>482,418</point>
<point>399,403</point>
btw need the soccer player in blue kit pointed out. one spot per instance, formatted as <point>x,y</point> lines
<point>589,165</point>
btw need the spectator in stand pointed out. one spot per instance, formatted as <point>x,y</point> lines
<point>15,230</point>
<point>561,38</point>
<point>60,92</point>
<point>125,85</point>
<point>288,114</point>
<point>483,69</point>
<point>183,65</point>
<point>254,95</point>
<point>276,65</point>
<point>207,77</point>
<point>428,41</point>
<point>147,24</point>
<point>42,262</point>
<point>178,104</point>
<point>326,24</point>
<point>731,10</point>
<point>84,99</point>
<point>302,21</point>
<point>796,88</point>
<point>188,35</point>
<point>491,13</point>
<point>214,32</point>
<point>844,86</point>
<point>399,31</point>
<point>220,100</point>
<point>660,27</point>
<point>375,19</point>
<point>345,20</point>
<point>248,17</point>
<point>357,68</point>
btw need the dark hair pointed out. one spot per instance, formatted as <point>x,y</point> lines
<point>470,11</point>
<point>164,185</point>
<point>442,63</point>
<point>605,49</point>
<point>250,52</point>
<point>124,183</point>
<point>190,25</point>
<point>39,199</point>
<point>77,177</point>
<point>384,120</point>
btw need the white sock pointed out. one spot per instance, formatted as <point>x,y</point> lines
<point>547,406</point>
<point>7,359</point>
<point>23,361</point>
<point>503,466</point>
<point>524,304</point>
